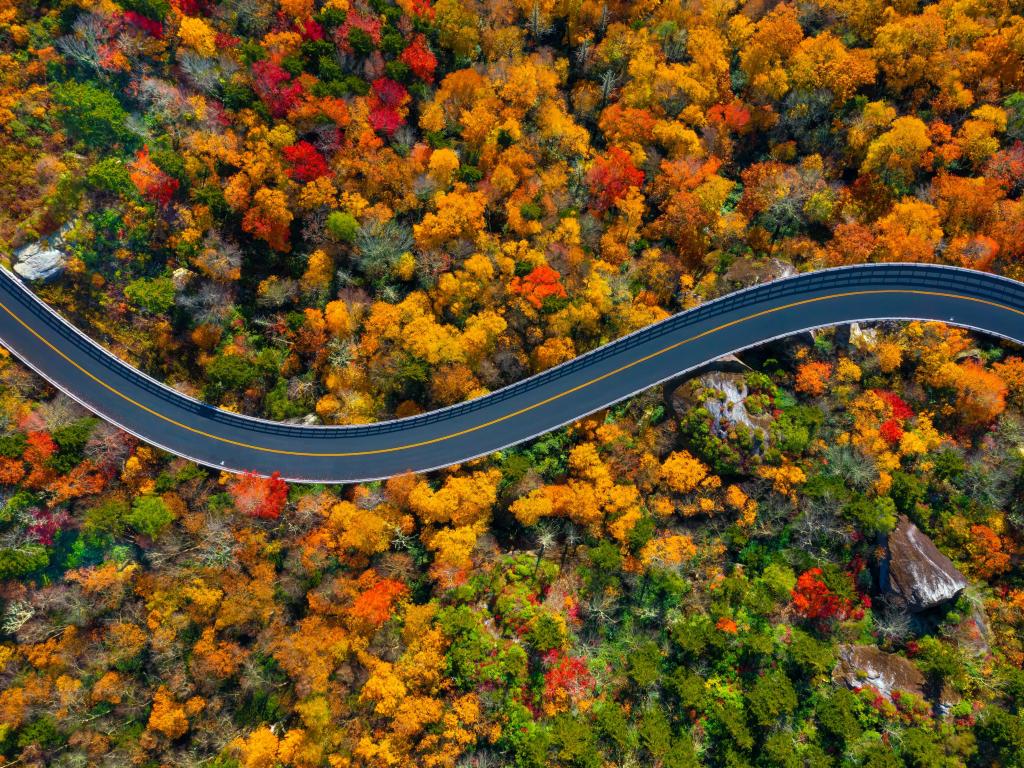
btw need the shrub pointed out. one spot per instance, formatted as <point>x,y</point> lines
<point>154,295</point>
<point>342,226</point>
<point>150,516</point>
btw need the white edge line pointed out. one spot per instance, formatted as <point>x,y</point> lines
<point>343,427</point>
<point>677,374</point>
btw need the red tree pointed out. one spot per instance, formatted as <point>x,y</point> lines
<point>306,164</point>
<point>813,599</point>
<point>386,99</point>
<point>611,177</point>
<point>419,59</point>
<point>275,88</point>
<point>897,406</point>
<point>262,497</point>
<point>152,183</point>
<point>538,285</point>
<point>151,27</point>
<point>376,605</point>
<point>566,673</point>
<point>891,431</point>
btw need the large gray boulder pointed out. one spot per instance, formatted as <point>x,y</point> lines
<point>39,262</point>
<point>862,666</point>
<point>918,573</point>
<point>43,260</point>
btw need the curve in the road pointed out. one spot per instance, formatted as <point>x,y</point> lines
<point>163,417</point>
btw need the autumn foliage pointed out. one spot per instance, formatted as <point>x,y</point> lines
<point>260,497</point>
<point>342,212</point>
<point>812,598</point>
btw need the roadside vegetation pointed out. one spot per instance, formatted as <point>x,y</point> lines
<point>337,212</point>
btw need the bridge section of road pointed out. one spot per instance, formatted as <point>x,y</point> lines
<point>122,395</point>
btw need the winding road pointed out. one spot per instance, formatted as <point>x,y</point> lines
<point>124,396</point>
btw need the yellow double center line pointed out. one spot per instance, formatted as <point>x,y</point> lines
<point>526,409</point>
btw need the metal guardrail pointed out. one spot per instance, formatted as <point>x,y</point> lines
<point>878,276</point>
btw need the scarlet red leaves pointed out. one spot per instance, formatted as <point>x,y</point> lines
<point>260,497</point>
<point>611,177</point>
<point>387,98</point>
<point>275,87</point>
<point>305,163</point>
<point>813,599</point>
<point>151,27</point>
<point>152,183</point>
<point>419,59</point>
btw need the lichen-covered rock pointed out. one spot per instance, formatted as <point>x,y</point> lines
<point>918,572</point>
<point>862,666</point>
<point>862,337</point>
<point>182,278</point>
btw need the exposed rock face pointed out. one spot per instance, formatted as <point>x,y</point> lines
<point>743,273</point>
<point>39,262</point>
<point>43,260</point>
<point>861,666</point>
<point>917,571</point>
<point>972,634</point>
<point>863,337</point>
<point>182,278</point>
<point>724,396</point>
<point>310,419</point>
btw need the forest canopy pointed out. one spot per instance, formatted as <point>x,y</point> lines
<point>340,211</point>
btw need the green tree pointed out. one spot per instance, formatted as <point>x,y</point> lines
<point>1000,739</point>
<point>154,295</point>
<point>837,717</point>
<point>342,226</point>
<point>150,516</point>
<point>16,562</point>
<point>110,175</point>
<point>109,517</point>
<point>771,698</point>
<point>644,664</point>
<point>229,373</point>
<point>872,515</point>
<point>92,115</point>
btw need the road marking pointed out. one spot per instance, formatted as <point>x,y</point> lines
<point>521,411</point>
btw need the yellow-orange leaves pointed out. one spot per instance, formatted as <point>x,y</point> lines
<point>258,750</point>
<point>812,377</point>
<point>668,550</point>
<point>685,473</point>
<point>460,214</point>
<point>196,34</point>
<point>461,500</point>
<point>167,716</point>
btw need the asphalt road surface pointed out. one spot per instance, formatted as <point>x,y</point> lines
<point>165,418</point>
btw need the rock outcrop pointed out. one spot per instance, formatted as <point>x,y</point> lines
<point>862,666</point>
<point>43,260</point>
<point>918,573</point>
<point>744,273</point>
<point>724,396</point>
